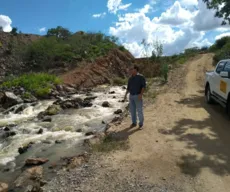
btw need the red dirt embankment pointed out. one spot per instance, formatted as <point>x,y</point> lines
<point>102,71</point>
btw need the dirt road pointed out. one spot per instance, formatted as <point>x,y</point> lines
<point>185,145</point>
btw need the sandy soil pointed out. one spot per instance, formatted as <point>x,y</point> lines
<point>184,145</point>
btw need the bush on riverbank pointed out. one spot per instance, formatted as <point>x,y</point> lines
<point>39,84</point>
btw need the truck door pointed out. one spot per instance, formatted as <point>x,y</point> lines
<point>218,84</point>
<point>225,83</point>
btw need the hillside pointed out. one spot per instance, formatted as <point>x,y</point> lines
<point>87,59</point>
<point>10,61</point>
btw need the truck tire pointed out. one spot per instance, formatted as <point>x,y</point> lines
<point>208,95</point>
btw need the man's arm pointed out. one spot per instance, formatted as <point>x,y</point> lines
<point>143,85</point>
<point>127,91</point>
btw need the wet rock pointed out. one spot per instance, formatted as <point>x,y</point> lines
<point>6,129</point>
<point>87,103</point>
<point>58,141</point>
<point>53,110</point>
<point>40,131</point>
<point>103,122</point>
<point>3,187</point>
<point>116,119</point>
<point>59,87</point>
<point>2,95</point>
<point>114,97</point>
<point>24,149</point>
<point>10,134</point>
<point>89,94</point>
<point>79,130</point>
<point>67,105</point>
<point>35,161</point>
<point>21,108</point>
<point>70,90</point>
<point>10,99</point>
<point>29,98</point>
<point>105,104</point>
<point>117,112</point>
<point>124,87</point>
<point>89,133</point>
<point>29,177</point>
<point>112,92</point>
<point>41,115</point>
<point>90,98</point>
<point>47,142</point>
<point>47,119</point>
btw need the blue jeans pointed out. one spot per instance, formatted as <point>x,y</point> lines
<point>136,106</point>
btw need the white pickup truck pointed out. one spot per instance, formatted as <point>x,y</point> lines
<point>217,85</point>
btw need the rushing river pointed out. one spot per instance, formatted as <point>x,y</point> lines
<point>64,127</point>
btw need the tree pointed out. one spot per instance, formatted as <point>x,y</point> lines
<point>59,32</point>
<point>1,29</point>
<point>14,31</point>
<point>157,51</point>
<point>222,8</point>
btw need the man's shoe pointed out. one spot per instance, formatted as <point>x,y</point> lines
<point>141,127</point>
<point>132,126</point>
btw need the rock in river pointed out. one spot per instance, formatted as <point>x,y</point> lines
<point>10,99</point>
<point>53,110</point>
<point>35,161</point>
<point>117,112</point>
<point>105,104</point>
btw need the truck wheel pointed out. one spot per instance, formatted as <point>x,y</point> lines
<point>208,95</point>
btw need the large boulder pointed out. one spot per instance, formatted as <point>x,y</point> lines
<point>3,187</point>
<point>10,99</point>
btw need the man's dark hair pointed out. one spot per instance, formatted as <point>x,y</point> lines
<point>136,68</point>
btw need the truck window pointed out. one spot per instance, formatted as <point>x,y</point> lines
<point>227,67</point>
<point>220,67</point>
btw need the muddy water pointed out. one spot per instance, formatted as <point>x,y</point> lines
<point>63,128</point>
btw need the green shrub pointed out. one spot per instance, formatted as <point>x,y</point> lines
<point>60,45</point>
<point>223,53</point>
<point>164,71</point>
<point>120,81</point>
<point>37,83</point>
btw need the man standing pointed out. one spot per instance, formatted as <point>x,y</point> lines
<point>136,87</point>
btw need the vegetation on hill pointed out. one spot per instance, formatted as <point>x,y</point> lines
<point>39,84</point>
<point>221,48</point>
<point>60,47</point>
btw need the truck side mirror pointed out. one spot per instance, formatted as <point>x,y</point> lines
<point>225,74</point>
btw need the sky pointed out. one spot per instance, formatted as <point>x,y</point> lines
<point>177,24</point>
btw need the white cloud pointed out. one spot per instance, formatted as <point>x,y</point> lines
<point>189,3</point>
<point>100,15</point>
<point>222,35</point>
<point>205,19</point>
<point>116,5</point>
<point>5,23</point>
<point>175,15</point>
<point>183,25</point>
<point>42,30</point>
